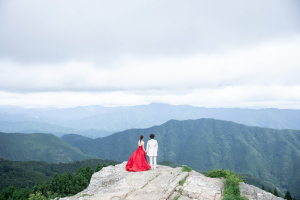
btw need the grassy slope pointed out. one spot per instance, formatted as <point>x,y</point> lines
<point>23,174</point>
<point>268,154</point>
<point>38,146</point>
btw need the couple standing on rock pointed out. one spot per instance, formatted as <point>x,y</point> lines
<point>138,161</point>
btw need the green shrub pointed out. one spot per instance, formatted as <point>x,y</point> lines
<point>8,192</point>
<point>181,182</point>
<point>288,196</point>
<point>60,186</point>
<point>231,181</point>
<point>276,193</point>
<point>176,198</point>
<point>98,168</point>
<point>186,168</point>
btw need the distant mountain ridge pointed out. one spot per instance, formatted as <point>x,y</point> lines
<point>41,127</point>
<point>100,121</point>
<point>156,114</point>
<point>268,154</point>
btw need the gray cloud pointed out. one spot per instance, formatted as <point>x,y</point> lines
<point>267,64</point>
<point>103,31</point>
<point>202,53</point>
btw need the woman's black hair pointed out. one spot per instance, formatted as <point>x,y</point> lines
<point>141,137</point>
<point>152,136</point>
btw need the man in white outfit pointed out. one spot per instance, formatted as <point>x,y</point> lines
<point>152,147</point>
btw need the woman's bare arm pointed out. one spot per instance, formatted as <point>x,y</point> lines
<point>143,145</point>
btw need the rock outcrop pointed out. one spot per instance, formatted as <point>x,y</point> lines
<point>162,183</point>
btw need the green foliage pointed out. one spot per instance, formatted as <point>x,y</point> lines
<point>37,196</point>
<point>22,194</point>
<point>181,182</point>
<point>218,173</point>
<point>276,193</point>
<point>270,191</point>
<point>232,188</point>
<point>80,183</point>
<point>186,168</point>
<point>231,181</point>
<point>249,179</point>
<point>98,168</point>
<point>7,193</point>
<point>176,198</point>
<point>41,187</point>
<point>288,196</point>
<point>90,172</point>
<point>12,193</point>
<point>40,196</point>
<point>22,174</point>
<point>62,185</point>
<point>180,191</point>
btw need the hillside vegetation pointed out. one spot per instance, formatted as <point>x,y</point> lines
<point>74,139</point>
<point>268,154</point>
<point>62,185</point>
<point>22,174</point>
<point>40,147</point>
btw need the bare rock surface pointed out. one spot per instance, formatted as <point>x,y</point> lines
<point>162,183</point>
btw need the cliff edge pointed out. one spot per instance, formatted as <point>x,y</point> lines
<point>162,183</point>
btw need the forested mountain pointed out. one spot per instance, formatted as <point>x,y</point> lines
<point>74,139</point>
<point>100,121</point>
<point>41,147</point>
<point>268,154</point>
<point>22,174</point>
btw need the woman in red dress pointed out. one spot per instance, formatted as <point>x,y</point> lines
<point>138,161</point>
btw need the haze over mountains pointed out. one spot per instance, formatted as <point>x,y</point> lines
<point>268,154</point>
<point>100,121</point>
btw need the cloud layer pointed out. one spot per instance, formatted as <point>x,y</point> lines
<point>103,31</point>
<point>201,53</point>
<point>262,76</point>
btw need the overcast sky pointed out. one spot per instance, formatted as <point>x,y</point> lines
<point>119,53</point>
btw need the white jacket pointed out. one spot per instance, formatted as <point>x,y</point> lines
<point>152,147</point>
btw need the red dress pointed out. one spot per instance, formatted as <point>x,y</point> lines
<point>138,161</point>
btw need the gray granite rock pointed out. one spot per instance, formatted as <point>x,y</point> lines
<point>254,193</point>
<point>162,183</point>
